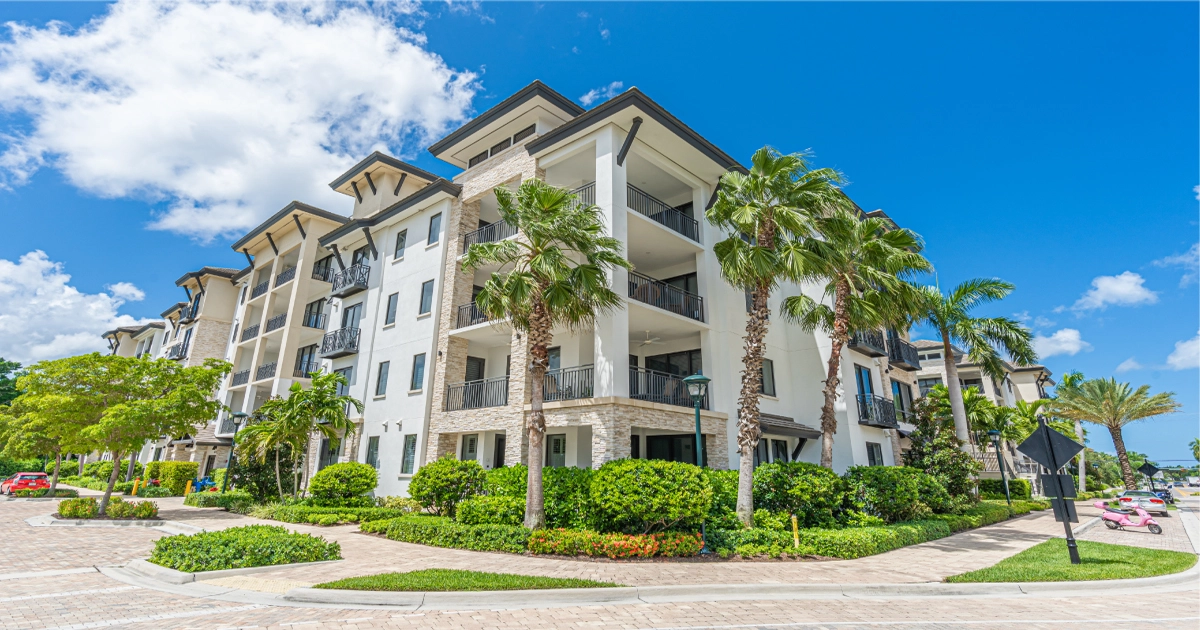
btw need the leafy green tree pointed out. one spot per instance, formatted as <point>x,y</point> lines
<point>937,450</point>
<point>768,213</point>
<point>555,274</point>
<point>266,437</point>
<point>1195,445</point>
<point>861,263</point>
<point>1113,405</point>
<point>9,372</point>
<point>983,338</point>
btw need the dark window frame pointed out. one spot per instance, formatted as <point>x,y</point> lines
<point>435,230</point>
<point>416,379</point>
<point>381,377</point>
<point>393,302</point>
<point>401,244</point>
<point>424,307</point>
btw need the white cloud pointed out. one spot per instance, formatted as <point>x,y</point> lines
<point>1189,260</point>
<point>1128,365</point>
<point>43,317</point>
<point>1042,322</point>
<point>1196,189</point>
<point>1186,355</point>
<point>1065,341</point>
<point>601,93</point>
<point>1126,289</point>
<point>126,291</point>
<point>222,112</point>
<point>604,32</point>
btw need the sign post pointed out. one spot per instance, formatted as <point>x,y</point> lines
<point>1149,470</point>
<point>1054,450</point>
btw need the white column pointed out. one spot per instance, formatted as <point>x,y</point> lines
<point>612,329</point>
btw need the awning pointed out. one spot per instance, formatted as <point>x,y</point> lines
<point>781,425</point>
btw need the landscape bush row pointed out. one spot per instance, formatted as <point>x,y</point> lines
<point>240,547</point>
<point>118,508</point>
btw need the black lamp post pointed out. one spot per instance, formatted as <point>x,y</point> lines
<point>995,435</point>
<point>697,385</point>
<point>238,419</point>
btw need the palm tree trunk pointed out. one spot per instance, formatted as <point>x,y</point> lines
<point>1126,469</point>
<point>539,343</point>
<point>748,428</point>
<point>112,481</point>
<point>1082,458</point>
<point>278,481</point>
<point>841,332</point>
<point>954,389</point>
<point>54,477</point>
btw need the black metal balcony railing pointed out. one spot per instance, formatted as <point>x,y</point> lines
<point>585,195</point>
<point>265,371</point>
<point>660,387</point>
<point>902,354</point>
<point>665,296</point>
<point>277,322</point>
<point>658,211</point>
<point>340,343</point>
<point>488,392</point>
<point>568,383</point>
<point>350,281</point>
<point>240,378</point>
<point>313,320</point>
<point>322,273</point>
<point>260,289</point>
<point>868,342</point>
<point>177,351</point>
<point>250,332</point>
<point>227,426</point>
<point>285,275</point>
<point>305,367</point>
<point>491,233</point>
<point>469,315</point>
<point>876,411</point>
<point>187,314</point>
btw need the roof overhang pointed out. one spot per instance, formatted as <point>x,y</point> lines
<point>535,95</point>
<point>241,274</point>
<point>220,272</point>
<point>659,129</point>
<point>781,425</point>
<point>427,196</point>
<point>255,237</point>
<point>170,311</point>
<point>375,163</point>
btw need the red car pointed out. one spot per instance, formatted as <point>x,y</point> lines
<point>25,481</point>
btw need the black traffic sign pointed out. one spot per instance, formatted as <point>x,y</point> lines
<point>1148,469</point>
<point>1051,489</point>
<point>1064,448</point>
<point>1071,516</point>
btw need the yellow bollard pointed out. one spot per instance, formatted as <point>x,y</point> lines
<point>135,486</point>
<point>188,490</point>
<point>795,532</point>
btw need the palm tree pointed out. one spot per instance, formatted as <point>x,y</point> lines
<point>1195,444</point>
<point>270,431</point>
<point>983,338</point>
<point>555,274</point>
<point>1113,405</point>
<point>1069,380</point>
<point>767,213</point>
<point>861,262</point>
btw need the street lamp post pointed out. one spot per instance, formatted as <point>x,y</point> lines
<point>238,419</point>
<point>995,435</point>
<point>697,385</point>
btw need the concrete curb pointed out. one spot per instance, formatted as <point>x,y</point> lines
<point>1082,529</point>
<point>171,576</point>
<point>50,521</point>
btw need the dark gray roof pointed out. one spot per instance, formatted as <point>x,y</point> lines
<point>121,329</point>
<point>783,425</point>
<point>223,272</point>
<point>177,306</point>
<point>440,185</point>
<point>381,158</point>
<point>242,274</point>
<point>533,90</point>
<point>291,208</point>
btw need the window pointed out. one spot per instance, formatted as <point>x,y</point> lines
<point>477,159</point>
<point>235,331</point>
<point>351,314</point>
<point>381,380</point>
<point>418,373</point>
<point>524,133</point>
<point>779,450</point>
<point>321,268</point>
<point>475,368</point>
<point>874,454</point>
<point>498,453</point>
<point>348,374</point>
<point>410,454</point>
<point>470,448</point>
<point>314,314</point>
<point>968,383</point>
<point>927,384</point>
<point>685,363</point>
<point>902,399</point>
<point>400,239</point>
<point>500,146</point>
<point>359,256</point>
<point>435,229</point>
<point>390,316</point>
<point>930,356</point>
<point>242,300</point>
<point>426,297</point>
<point>862,377</point>
<point>635,446</point>
<point>768,378</point>
<point>373,451</point>
<point>556,450</point>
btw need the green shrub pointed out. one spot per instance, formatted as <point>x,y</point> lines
<point>642,496</point>
<point>568,497</point>
<point>201,499</point>
<point>103,470</point>
<point>236,501</point>
<point>813,493</point>
<point>723,513</point>
<point>854,518</point>
<point>932,493</point>
<point>439,486</point>
<point>10,466</point>
<point>173,476</point>
<point>123,487</point>
<point>489,510</point>
<point>1019,489</point>
<point>119,508</point>
<point>508,481</point>
<point>343,481</point>
<point>239,547</point>
<point>571,542</point>
<point>85,507</point>
<point>979,515</point>
<point>398,503</point>
<point>339,502</point>
<point>145,510</point>
<point>258,477</point>
<point>764,519</point>
<point>889,492</point>
<point>58,492</point>
<point>755,542</point>
<point>67,466</point>
<point>442,532</point>
<point>326,519</point>
<point>218,477</point>
<point>858,542</point>
<point>153,492</point>
<point>305,513</point>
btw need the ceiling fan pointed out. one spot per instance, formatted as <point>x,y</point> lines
<point>649,340</point>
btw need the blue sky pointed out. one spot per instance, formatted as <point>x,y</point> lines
<point>1051,145</point>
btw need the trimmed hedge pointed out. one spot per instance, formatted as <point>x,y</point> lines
<point>85,507</point>
<point>813,493</point>
<point>320,515</point>
<point>641,496</point>
<point>58,492</point>
<point>491,510</point>
<point>240,547</point>
<point>569,542</point>
<point>1019,489</point>
<point>441,485</point>
<point>173,475</point>
<point>10,466</point>
<point>232,501</point>
<point>343,481</point>
<point>442,532</point>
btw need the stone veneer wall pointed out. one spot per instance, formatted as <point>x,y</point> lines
<point>612,419</point>
<point>210,337</point>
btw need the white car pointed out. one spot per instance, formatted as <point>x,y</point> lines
<point>1144,499</point>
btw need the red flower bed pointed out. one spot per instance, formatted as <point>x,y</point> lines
<point>569,542</point>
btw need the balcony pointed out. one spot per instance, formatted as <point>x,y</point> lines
<point>488,392</point>
<point>658,211</point>
<point>313,320</point>
<point>469,315</point>
<point>250,332</point>
<point>350,281</point>
<point>265,371</point>
<point>340,343</point>
<point>568,384</point>
<point>660,387</point>
<point>585,195</point>
<point>277,322</point>
<point>876,411</point>
<point>322,273</point>
<point>260,289</point>
<point>902,354</point>
<point>227,427</point>
<point>177,351</point>
<point>304,368</point>
<point>868,342</point>
<point>187,314</point>
<point>286,275</point>
<point>491,233</point>
<point>240,378</point>
<point>665,296</point>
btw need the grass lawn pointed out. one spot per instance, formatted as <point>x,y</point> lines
<point>457,580</point>
<point>1048,562</point>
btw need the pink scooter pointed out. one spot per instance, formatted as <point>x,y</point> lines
<point>1119,519</point>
